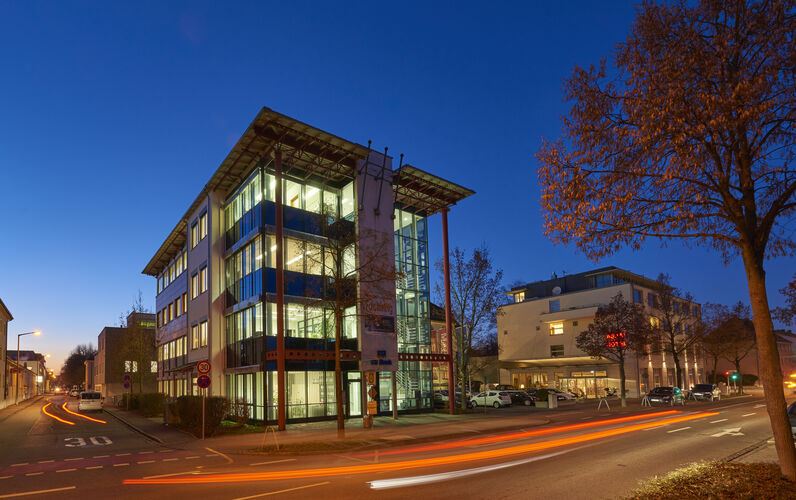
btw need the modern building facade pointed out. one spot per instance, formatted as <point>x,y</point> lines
<point>128,350</point>
<point>7,394</point>
<point>296,232</point>
<point>537,333</point>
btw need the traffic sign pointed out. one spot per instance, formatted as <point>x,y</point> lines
<point>373,393</point>
<point>203,381</point>
<point>126,377</point>
<point>203,367</point>
<point>373,407</point>
<point>371,378</point>
<point>127,385</point>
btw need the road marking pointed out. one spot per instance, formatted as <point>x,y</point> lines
<point>94,467</point>
<point>170,459</point>
<point>719,420</point>
<point>759,406</point>
<point>749,414</point>
<point>229,460</point>
<point>432,478</point>
<point>729,432</point>
<point>145,452</point>
<point>101,456</point>
<point>283,491</point>
<point>34,473</point>
<point>25,493</point>
<point>46,461</point>
<point>65,470</point>
<point>70,459</point>
<point>146,462</point>
<point>165,451</point>
<point>586,418</point>
<point>20,465</point>
<point>275,461</point>
<point>121,465</point>
<point>678,430</point>
<point>192,457</point>
<point>122,454</point>
<point>172,474</point>
<point>5,477</point>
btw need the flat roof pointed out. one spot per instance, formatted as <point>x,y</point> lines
<point>310,154</point>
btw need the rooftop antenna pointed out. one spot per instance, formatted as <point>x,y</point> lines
<point>364,180</point>
<point>395,181</point>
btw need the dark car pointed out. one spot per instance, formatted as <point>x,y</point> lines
<point>705,392</point>
<point>667,395</point>
<point>792,418</point>
<point>441,399</point>
<point>520,398</point>
<point>505,387</point>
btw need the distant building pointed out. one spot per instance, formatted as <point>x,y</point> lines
<point>89,375</point>
<point>33,369</point>
<point>537,332</point>
<point>750,365</point>
<point>7,394</point>
<point>124,351</point>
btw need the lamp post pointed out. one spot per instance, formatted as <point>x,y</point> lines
<point>16,389</point>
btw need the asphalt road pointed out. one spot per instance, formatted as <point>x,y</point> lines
<point>580,454</point>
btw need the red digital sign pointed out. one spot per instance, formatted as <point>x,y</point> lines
<point>615,340</point>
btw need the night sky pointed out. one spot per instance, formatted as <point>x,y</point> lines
<point>113,117</point>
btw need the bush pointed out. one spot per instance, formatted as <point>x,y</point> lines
<point>749,379</point>
<point>239,412</point>
<point>189,411</point>
<point>150,404</point>
<point>541,394</point>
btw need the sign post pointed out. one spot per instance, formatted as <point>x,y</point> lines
<point>203,381</point>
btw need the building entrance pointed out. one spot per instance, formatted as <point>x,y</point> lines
<point>354,398</point>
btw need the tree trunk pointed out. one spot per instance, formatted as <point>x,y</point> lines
<point>678,376</point>
<point>338,375</point>
<point>622,393</point>
<point>770,370</point>
<point>715,367</point>
<point>739,380</point>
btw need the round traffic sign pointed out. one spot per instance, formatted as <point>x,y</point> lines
<point>127,385</point>
<point>203,381</point>
<point>126,377</point>
<point>203,367</point>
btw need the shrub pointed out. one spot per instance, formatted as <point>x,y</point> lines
<point>150,404</point>
<point>749,379</point>
<point>239,411</point>
<point>189,411</point>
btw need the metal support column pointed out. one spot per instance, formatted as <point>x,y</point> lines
<point>280,295</point>
<point>395,395</point>
<point>448,314</point>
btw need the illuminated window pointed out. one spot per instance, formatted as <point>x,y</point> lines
<point>171,312</point>
<point>203,279</point>
<point>556,328</point>
<point>203,226</point>
<point>194,235</point>
<point>194,286</point>
<point>203,333</point>
<point>178,307</point>
<point>655,322</point>
<point>185,303</point>
<point>195,337</point>
<point>519,297</point>
<point>131,366</point>
<point>153,366</point>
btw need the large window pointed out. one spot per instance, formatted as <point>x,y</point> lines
<point>203,279</point>
<point>172,271</point>
<point>203,333</point>
<point>202,226</point>
<point>638,296</point>
<point>556,351</point>
<point>555,305</point>
<point>557,328</point>
<point>195,337</point>
<point>519,297</point>
<point>194,286</point>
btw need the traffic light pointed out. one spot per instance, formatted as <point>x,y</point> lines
<point>734,376</point>
<point>726,374</point>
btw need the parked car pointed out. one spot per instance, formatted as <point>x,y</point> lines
<point>792,418</point>
<point>74,393</point>
<point>497,399</point>
<point>705,392</point>
<point>505,387</point>
<point>561,395</point>
<point>667,395</point>
<point>520,398</point>
<point>89,401</point>
<point>441,399</point>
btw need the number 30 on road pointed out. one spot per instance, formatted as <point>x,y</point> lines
<point>78,442</point>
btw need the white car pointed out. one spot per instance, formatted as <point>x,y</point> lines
<point>89,401</point>
<point>491,398</point>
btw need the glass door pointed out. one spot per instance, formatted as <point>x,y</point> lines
<point>354,398</point>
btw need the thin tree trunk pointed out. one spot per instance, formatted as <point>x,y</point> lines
<point>715,367</point>
<point>622,382</point>
<point>739,380</point>
<point>678,376</point>
<point>338,375</point>
<point>770,370</point>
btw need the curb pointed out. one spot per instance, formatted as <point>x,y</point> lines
<point>133,427</point>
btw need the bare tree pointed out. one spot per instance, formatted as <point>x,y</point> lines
<point>787,314</point>
<point>619,328</point>
<point>691,139</point>
<point>476,294</point>
<point>73,371</point>
<point>711,342</point>
<point>679,327</point>
<point>138,344</point>
<point>737,333</point>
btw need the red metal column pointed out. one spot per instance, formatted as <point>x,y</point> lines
<point>280,295</point>
<point>448,315</point>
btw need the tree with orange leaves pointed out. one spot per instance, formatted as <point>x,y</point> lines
<point>690,137</point>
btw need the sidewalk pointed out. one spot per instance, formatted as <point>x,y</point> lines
<point>151,427</point>
<point>7,411</point>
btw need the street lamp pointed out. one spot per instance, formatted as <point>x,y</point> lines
<point>16,390</point>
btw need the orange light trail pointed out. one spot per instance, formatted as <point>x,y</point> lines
<point>524,434</point>
<point>413,464</point>
<point>67,410</point>
<point>44,409</point>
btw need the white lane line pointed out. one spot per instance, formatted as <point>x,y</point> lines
<point>118,455</point>
<point>25,493</point>
<point>145,452</point>
<point>5,477</point>
<point>46,461</point>
<point>586,418</point>
<point>283,491</point>
<point>94,467</point>
<point>170,459</point>
<point>678,430</point>
<point>432,478</point>
<point>66,470</point>
<point>749,414</point>
<point>102,456</point>
<point>192,457</point>
<point>19,465</point>
<point>71,459</point>
<point>190,472</point>
<point>211,450</point>
<point>759,406</point>
<point>34,473</point>
<point>275,461</point>
<point>146,462</point>
<point>719,420</point>
<point>121,465</point>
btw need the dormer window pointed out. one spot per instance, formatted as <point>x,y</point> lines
<point>519,297</point>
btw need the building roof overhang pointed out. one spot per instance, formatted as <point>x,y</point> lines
<point>425,193</point>
<point>4,310</point>
<point>543,362</point>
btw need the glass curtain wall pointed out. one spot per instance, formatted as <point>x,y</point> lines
<point>414,379</point>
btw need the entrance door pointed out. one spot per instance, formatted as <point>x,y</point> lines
<point>354,398</point>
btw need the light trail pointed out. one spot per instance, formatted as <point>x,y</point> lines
<point>414,464</point>
<point>67,410</point>
<point>523,434</point>
<point>44,409</point>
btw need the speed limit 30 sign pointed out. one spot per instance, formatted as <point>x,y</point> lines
<point>203,367</point>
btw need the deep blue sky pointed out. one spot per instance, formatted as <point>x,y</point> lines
<point>113,117</point>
